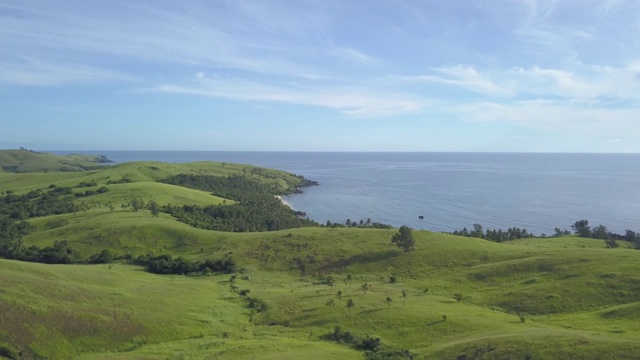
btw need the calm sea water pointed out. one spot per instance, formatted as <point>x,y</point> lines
<point>451,190</point>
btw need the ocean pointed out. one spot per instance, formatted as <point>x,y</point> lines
<point>534,191</point>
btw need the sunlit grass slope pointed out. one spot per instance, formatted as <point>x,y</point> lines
<point>141,172</point>
<point>26,161</point>
<point>53,311</point>
<point>577,297</point>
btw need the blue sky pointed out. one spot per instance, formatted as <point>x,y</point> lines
<point>429,75</point>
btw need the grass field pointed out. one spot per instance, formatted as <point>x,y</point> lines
<point>554,298</point>
<point>25,161</point>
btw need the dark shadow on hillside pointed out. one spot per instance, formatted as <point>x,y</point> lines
<point>362,259</point>
<point>371,311</point>
<point>435,322</point>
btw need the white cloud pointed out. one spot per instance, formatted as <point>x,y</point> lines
<point>462,76</point>
<point>353,101</point>
<point>38,73</point>
<point>583,84</point>
<point>259,38</point>
<point>554,117</point>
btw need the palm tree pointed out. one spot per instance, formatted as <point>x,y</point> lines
<point>404,297</point>
<point>348,279</point>
<point>350,305</point>
<point>330,303</point>
<point>389,300</point>
<point>331,281</point>
<point>365,287</point>
<point>339,296</point>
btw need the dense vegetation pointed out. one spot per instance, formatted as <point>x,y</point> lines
<point>167,264</point>
<point>257,208</point>
<point>37,203</point>
<point>373,346</point>
<point>362,224</point>
<point>12,247</point>
<point>580,227</point>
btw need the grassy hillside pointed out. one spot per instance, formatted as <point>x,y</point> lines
<point>451,298</point>
<point>577,297</point>
<point>147,171</point>
<point>20,161</point>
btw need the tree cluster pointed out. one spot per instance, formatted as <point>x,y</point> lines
<point>59,253</point>
<point>499,235</point>
<point>167,264</point>
<point>373,346</point>
<point>37,203</point>
<point>582,229</point>
<point>256,208</point>
<point>363,224</point>
<point>236,187</point>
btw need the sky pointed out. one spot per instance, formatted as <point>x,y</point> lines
<point>325,75</point>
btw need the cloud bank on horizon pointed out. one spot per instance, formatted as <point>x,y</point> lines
<point>436,75</point>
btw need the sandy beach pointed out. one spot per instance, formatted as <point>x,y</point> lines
<point>284,201</point>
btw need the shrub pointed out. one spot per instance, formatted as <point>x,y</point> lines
<point>104,257</point>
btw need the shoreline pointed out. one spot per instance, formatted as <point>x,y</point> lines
<point>284,202</point>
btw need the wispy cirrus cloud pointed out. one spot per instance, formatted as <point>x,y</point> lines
<point>554,116</point>
<point>349,100</point>
<point>39,73</point>
<point>582,83</point>
<point>461,76</point>
<point>242,36</point>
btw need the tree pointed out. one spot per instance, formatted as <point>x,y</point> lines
<point>104,257</point>
<point>558,232</point>
<point>631,236</point>
<point>350,305</point>
<point>388,300</point>
<point>348,279</point>
<point>365,287</point>
<point>404,297</point>
<point>154,208</point>
<point>600,232</point>
<point>611,243</point>
<point>331,281</point>
<point>477,231</point>
<point>582,228</point>
<point>404,238</point>
<point>339,296</point>
<point>137,205</point>
<point>330,303</point>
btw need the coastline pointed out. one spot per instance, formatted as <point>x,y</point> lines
<point>284,202</point>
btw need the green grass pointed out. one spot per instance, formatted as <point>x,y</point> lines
<point>570,294</point>
<point>137,172</point>
<point>24,161</point>
<point>163,194</point>
<point>579,299</point>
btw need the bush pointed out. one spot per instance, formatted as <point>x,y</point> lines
<point>257,304</point>
<point>104,257</point>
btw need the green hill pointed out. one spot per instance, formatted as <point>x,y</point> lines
<point>450,298</point>
<point>20,161</point>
